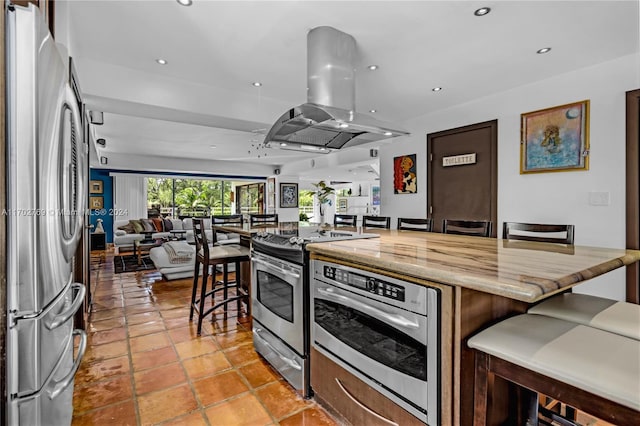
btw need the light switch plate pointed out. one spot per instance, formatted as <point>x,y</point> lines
<point>599,198</point>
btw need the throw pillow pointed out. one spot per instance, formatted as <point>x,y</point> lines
<point>120,232</point>
<point>137,226</point>
<point>158,223</point>
<point>148,225</point>
<point>168,225</point>
<point>128,228</point>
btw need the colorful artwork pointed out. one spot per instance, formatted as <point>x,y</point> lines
<point>288,195</point>
<point>375,195</point>
<point>404,175</point>
<point>555,139</point>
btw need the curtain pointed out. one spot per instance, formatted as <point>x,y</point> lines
<point>130,196</point>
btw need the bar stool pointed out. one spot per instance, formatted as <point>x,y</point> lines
<point>411,224</point>
<point>210,257</point>
<point>383,222</point>
<point>476,228</point>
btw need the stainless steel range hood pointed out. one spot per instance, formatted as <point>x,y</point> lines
<point>328,120</point>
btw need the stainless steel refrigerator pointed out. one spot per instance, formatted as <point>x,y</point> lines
<point>46,184</point>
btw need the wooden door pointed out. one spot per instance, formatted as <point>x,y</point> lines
<point>633,192</point>
<point>463,174</point>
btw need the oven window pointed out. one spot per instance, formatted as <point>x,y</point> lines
<point>275,294</point>
<point>373,338</point>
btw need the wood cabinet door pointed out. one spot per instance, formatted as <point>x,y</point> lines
<point>352,399</point>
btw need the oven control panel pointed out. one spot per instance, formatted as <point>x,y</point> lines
<point>366,283</point>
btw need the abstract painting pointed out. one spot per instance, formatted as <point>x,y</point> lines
<point>555,139</point>
<point>404,175</point>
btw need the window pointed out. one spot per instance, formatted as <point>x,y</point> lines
<point>188,197</point>
<point>250,198</point>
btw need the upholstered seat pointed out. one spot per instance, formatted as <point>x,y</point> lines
<point>610,315</point>
<point>587,368</point>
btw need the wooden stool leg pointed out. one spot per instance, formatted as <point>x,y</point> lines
<point>480,391</point>
<point>203,294</point>
<point>194,290</point>
<point>238,284</point>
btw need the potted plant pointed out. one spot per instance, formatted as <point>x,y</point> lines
<point>323,192</point>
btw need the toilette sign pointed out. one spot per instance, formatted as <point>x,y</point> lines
<point>459,160</point>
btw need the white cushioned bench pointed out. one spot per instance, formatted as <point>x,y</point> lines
<point>587,368</point>
<point>610,315</point>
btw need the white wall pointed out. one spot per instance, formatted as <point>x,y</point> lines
<point>545,197</point>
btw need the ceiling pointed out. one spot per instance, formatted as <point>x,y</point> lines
<point>201,105</point>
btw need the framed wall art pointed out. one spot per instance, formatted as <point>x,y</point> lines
<point>404,175</point>
<point>288,195</point>
<point>95,187</point>
<point>555,139</point>
<point>96,203</point>
<point>375,195</point>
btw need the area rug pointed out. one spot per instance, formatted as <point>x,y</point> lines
<point>129,263</point>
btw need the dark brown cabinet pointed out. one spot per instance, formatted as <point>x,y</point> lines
<point>351,399</point>
<point>98,241</point>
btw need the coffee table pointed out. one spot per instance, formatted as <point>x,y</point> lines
<point>141,248</point>
<point>178,234</point>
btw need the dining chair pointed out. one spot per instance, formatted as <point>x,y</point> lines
<point>413,224</point>
<point>210,256</point>
<point>263,219</point>
<point>344,220</point>
<point>475,228</point>
<point>383,222</point>
<point>545,233</point>
<point>227,219</point>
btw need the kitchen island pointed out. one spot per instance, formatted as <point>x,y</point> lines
<point>481,280</point>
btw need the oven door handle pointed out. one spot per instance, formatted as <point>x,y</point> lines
<point>364,407</point>
<point>395,319</point>
<point>276,268</point>
<point>291,363</point>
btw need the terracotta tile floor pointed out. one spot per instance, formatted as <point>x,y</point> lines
<point>145,365</point>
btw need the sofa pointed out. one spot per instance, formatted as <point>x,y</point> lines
<point>176,260</point>
<point>124,240</point>
<point>178,266</point>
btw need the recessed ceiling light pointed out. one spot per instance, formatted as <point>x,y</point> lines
<point>161,61</point>
<point>373,110</point>
<point>482,11</point>
<point>256,84</point>
<point>388,133</point>
<point>372,67</point>
<point>283,144</point>
<point>544,50</point>
<point>343,125</point>
<point>436,89</point>
<point>185,2</point>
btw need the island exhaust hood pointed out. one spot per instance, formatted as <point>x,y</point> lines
<point>328,120</point>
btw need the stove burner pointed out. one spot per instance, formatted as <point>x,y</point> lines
<point>289,245</point>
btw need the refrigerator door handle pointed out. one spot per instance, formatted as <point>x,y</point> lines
<point>68,379</point>
<point>77,302</point>
<point>69,102</point>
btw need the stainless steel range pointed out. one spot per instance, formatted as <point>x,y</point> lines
<point>280,297</point>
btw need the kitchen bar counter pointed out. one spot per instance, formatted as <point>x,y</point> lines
<point>482,281</point>
<point>247,230</point>
<point>520,270</point>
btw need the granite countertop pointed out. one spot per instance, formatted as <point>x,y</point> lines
<point>521,270</point>
<point>287,228</point>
